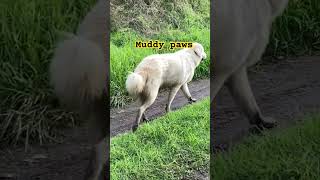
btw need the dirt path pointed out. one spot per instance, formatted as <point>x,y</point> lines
<point>122,119</point>
<point>285,90</point>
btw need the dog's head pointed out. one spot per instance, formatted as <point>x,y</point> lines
<point>199,51</point>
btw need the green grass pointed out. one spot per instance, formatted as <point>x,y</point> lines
<point>171,147</point>
<point>28,32</point>
<point>293,153</point>
<point>149,17</point>
<point>297,31</point>
<point>125,57</point>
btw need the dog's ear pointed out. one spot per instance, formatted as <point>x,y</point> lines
<point>197,50</point>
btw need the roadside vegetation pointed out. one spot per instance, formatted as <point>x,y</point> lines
<point>291,153</point>
<point>297,31</point>
<point>175,146</point>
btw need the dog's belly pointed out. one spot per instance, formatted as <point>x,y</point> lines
<point>258,49</point>
<point>170,79</point>
<point>165,85</point>
<point>176,80</point>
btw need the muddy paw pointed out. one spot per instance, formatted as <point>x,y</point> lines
<point>192,100</point>
<point>268,122</point>
<point>264,123</point>
<point>135,127</point>
<point>145,119</point>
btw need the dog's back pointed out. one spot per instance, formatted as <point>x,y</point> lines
<point>157,71</point>
<point>94,27</point>
<point>149,71</point>
<point>242,28</point>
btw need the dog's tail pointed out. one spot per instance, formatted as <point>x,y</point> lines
<point>135,84</point>
<point>78,72</point>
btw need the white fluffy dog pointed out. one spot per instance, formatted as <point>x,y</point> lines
<point>241,32</point>
<point>78,73</point>
<point>172,70</point>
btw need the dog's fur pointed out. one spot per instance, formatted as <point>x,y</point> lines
<point>171,70</point>
<point>240,34</point>
<point>78,73</point>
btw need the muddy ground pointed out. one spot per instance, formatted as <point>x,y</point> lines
<point>287,90</point>
<point>123,119</point>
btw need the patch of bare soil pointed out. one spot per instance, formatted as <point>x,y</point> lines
<point>287,90</point>
<point>123,119</point>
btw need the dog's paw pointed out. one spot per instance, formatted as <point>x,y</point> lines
<point>145,119</point>
<point>135,127</point>
<point>264,123</point>
<point>192,100</point>
<point>268,122</point>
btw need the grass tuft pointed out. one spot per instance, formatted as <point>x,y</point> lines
<point>174,146</point>
<point>28,33</point>
<point>297,31</point>
<point>292,153</point>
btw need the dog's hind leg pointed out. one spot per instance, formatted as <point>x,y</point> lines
<point>99,126</point>
<point>216,83</point>
<point>172,94</point>
<point>78,75</point>
<point>145,104</point>
<point>144,117</point>
<point>239,86</point>
<point>186,92</point>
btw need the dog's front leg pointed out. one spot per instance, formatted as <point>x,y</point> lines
<point>239,86</point>
<point>98,168</point>
<point>187,94</point>
<point>172,94</point>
